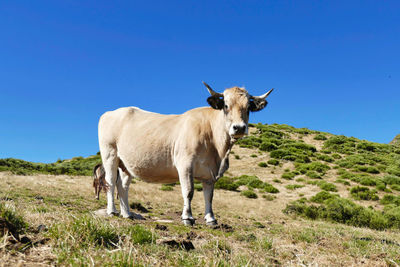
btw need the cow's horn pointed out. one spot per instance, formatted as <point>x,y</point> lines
<point>264,95</point>
<point>211,91</point>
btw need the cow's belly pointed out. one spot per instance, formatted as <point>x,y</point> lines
<point>150,166</point>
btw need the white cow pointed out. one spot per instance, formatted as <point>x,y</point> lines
<point>169,148</point>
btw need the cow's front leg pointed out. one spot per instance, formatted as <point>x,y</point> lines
<point>123,183</point>
<point>208,190</point>
<point>186,181</point>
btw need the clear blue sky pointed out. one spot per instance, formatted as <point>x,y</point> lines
<point>335,65</point>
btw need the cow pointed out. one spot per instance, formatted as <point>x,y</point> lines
<point>169,148</point>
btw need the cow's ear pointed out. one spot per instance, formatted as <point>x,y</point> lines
<point>216,102</point>
<point>257,103</point>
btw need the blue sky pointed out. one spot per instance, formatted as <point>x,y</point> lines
<point>335,65</point>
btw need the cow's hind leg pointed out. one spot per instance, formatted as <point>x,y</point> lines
<point>208,190</point>
<point>186,181</point>
<point>110,163</point>
<point>123,183</point>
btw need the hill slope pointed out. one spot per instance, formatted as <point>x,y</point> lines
<point>292,197</point>
<point>396,140</point>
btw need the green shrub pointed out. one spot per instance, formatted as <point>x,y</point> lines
<point>313,175</point>
<point>340,210</point>
<point>342,181</point>
<point>237,157</point>
<point>288,175</point>
<point>395,187</point>
<point>390,199</point>
<point>363,193</point>
<point>250,181</point>
<point>166,187</point>
<point>391,179</point>
<point>249,194</point>
<point>327,186</point>
<point>322,196</point>
<point>273,162</point>
<point>313,166</point>
<point>320,137</point>
<point>325,158</point>
<point>294,186</point>
<point>226,183</point>
<point>270,188</point>
<point>198,187</point>
<point>262,164</point>
<point>369,181</point>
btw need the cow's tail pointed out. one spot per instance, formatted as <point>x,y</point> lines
<point>95,178</point>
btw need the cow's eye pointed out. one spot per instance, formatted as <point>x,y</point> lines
<point>226,107</point>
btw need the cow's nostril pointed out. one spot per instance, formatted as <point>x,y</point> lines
<point>235,128</point>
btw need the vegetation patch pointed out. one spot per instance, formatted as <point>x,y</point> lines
<point>336,209</point>
<point>363,193</point>
<point>249,194</point>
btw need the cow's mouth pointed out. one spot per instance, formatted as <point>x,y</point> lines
<point>237,136</point>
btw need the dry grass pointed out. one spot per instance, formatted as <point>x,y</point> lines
<point>262,234</point>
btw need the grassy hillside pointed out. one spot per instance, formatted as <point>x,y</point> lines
<point>74,166</point>
<point>396,140</point>
<point>291,197</point>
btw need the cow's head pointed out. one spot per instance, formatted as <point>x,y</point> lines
<point>236,103</point>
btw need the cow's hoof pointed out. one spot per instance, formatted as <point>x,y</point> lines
<point>212,223</point>
<point>188,222</point>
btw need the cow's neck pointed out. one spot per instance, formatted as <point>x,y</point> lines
<point>222,141</point>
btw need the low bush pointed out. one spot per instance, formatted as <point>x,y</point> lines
<point>313,175</point>
<point>249,194</point>
<point>327,186</point>
<point>262,164</point>
<point>226,183</point>
<point>313,166</point>
<point>340,210</point>
<point>363,193</point>
<point>273,162</point>
<point>390,199</point>
<point>320,137</point>
<point>322,196</point>
<point>288,175</point>
<point>166,187</point>
<point>270,188</point>
<point>294,186</point>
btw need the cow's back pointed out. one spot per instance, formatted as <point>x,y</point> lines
<point>144,141</point>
